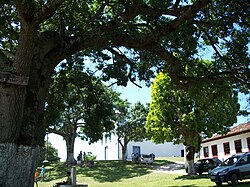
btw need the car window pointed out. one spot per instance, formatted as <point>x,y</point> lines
<point>230,161</point>
<point>208,161</point>
<point>244,160</point>
<point>199,162</point>
<point>146,156</point>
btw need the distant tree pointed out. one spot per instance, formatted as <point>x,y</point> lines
<point>181,115</point>
<point>48,153</point>
<point>79,105</point>
<point>130,126</point>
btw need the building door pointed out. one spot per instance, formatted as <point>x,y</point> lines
<point>214,150</point>
<point>182,153</point>
<point>106,153</point>
<point>137,150</point>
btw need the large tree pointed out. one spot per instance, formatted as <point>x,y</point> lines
<point>141,36</point>
<point>187,115</point>
<point>130,125</point>
<point>79,105</point>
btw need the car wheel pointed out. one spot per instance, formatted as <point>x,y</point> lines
<point>186,169</point>
<point>200,172</point>
<point>234,179</point>
<point>218,183</point>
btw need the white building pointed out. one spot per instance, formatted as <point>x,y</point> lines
<point>109,149</point>
<point>237,140</point>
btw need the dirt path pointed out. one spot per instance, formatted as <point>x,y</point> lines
<point>174,168</point>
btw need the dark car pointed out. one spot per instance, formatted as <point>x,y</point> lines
<point>206,165</point>
<point>236,167</point>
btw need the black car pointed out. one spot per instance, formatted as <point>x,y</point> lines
<point>236,167</point>
<point>206,165</point>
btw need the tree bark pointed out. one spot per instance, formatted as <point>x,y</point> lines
<point>124,148</point>
<point>124,151</point>
<point>17,164</point>
<point>22,113</point>
<point>70,144</point>
<point>190,150</point>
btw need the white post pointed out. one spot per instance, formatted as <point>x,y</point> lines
<point>73,176</point>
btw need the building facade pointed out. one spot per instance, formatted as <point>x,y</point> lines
<point>109,149</point>
<point>237,140</point>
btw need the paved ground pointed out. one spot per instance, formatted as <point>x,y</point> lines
<point>174,168</point>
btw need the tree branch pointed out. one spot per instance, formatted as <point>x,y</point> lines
<point>48,10</point>
<point>24,10</point>
<point>56,131</point>
<point>156,12</point>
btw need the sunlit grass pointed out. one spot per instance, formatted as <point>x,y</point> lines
<point>119,174</point>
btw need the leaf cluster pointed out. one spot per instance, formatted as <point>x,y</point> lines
<point>132,122</point>
<point>183,115</point>
<point>80,100</point>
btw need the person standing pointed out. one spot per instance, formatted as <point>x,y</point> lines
<point>42,173</point>
<point>36,178</point>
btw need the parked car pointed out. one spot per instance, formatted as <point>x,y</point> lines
<point>205,165</point>
<point>236,167</point>
<point>146,159</point>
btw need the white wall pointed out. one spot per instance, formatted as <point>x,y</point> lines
<point>167,149</point>
<point>110,145</point>
<point>220,148</point>
<point>114,151</point>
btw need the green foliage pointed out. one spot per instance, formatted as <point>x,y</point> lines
<point>131,121</point>
<point>79,100</point>
<point>48,152</point>
<point>129,34</point>
<point>183,115</point>
<point>90,156</point>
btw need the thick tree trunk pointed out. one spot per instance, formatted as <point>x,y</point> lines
<point>17,165</point>
<point>190,150</point>
<point>124,150</point>
<point>70,144</point>
<point>22,113</point>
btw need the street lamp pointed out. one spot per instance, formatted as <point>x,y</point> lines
<point>46,149</point>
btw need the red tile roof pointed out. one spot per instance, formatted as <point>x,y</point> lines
<point>239,129</point>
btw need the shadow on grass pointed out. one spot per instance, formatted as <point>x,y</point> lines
<point>161,163</point>
<point>106,171</point>
<point>193,177</point>
<point>111,171</point>
<point>55,171</point>
<point>206,176</point>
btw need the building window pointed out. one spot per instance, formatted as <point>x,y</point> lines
<point>237,145</point>
<point>106,139</point>
<point>226,148</point>
<point>110,137</point>
<point>248,143</point>
<point>214,151</point>
<point>205,150</point>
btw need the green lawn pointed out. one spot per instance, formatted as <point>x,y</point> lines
<point>117,173</point>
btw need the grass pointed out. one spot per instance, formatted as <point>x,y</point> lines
<point>119,174</point>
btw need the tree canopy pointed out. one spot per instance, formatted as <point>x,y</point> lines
<point>130,125</point>
<point>79,105</point>
<point>186,116</point>
<point>151,33</point>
